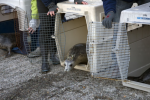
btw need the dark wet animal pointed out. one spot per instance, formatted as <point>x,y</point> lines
<point>7,41</point>
<point>76,55</point>
<point>144,78</point>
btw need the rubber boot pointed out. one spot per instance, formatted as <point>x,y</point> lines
<point>46,30</point>
<point>45,65</point>
<point>44,53</point>
<point>54,57</point>
<point>45,68</point>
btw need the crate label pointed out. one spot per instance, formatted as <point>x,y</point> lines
<point>144,18</point>
<point>74,9</point>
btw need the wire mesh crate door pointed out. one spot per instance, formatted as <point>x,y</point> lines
<point>122,50</point>
<point>108,50</point>
<point>40,45</point>
<point>60,37</point>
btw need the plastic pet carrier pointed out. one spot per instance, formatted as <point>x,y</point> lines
<point>139,39</point>
<point>12,15</point>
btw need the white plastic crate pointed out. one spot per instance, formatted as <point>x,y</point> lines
<point>76,30</point>
<point>139,40</point>
<point>22,7</point>
<point>138,15</point>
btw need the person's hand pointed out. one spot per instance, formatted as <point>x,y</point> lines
<point>31,30</point>
<point>33,24</point>
<point>83,2</point>
<point>80,2</point>
<point>107,22</point>
<point>52,9</point>
<point>52,13</point>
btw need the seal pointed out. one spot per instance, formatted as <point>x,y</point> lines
<point>76,55</point>
<point>7,41</point>
<point>144,78</point>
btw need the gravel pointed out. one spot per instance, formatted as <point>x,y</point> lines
<point>21,80</point>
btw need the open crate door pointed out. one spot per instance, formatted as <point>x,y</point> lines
<point>42,43</point>
<point>108,51</point>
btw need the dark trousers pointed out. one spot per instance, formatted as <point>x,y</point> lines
<point>47,43</point>
<point>122,5</point>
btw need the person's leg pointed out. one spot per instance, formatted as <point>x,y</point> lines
<point>43,41</point>
<point>121,5</point>
<point>36,52</point>
<point>33,41</point>
<point>53,48</point>
<point>38,33</point>
<point>44,51</point>
<point>53,54</point>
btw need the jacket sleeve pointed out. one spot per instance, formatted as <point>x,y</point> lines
<point>47,2</point>
<point>34,9</point>
<point>109,5</point>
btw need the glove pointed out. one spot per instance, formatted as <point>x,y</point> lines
<point>107,22</point>
<point>52,7</point>
<point>78,1</point>
<point>34,23</point>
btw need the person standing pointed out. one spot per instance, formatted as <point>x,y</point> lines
<point>113,9</point>
<point>49,7</point>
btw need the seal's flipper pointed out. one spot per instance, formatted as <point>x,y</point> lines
<point>9,53</point>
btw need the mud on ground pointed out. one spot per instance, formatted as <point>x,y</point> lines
<point>20,80</point>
